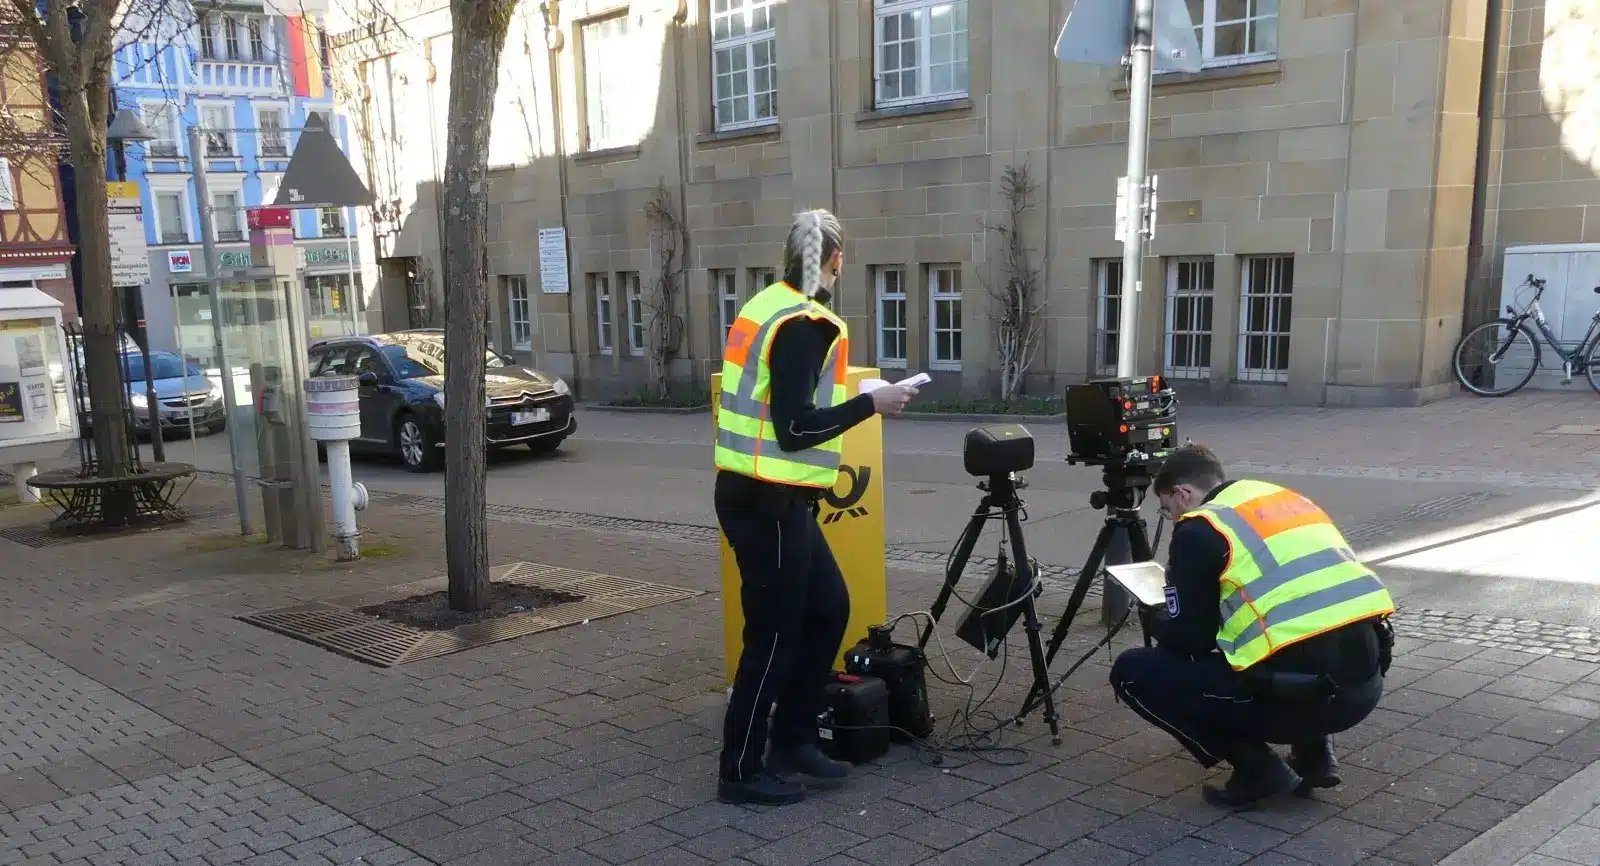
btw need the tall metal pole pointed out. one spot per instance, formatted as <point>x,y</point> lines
<point>1139,56</point>
<point>1115,601</point>
<point>197,158</point>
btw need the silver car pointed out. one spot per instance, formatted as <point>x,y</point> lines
<point>184,394</point>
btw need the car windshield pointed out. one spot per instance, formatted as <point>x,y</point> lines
<point>161,367</point>
<point>416,358</point>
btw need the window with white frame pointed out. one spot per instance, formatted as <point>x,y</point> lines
<point>1108,313</point>
<point>1191,297</point>
<point>227,217</point>
<point>608,87</point>
<point>519,312</point>
<point>744,62</point>
<point>208,37</point>
<point>269,126</point>
<point>8,185</point>
<point>330,222</point>
<point>635,296</point>
<point>258,45</point>
<point>170,224</point>
<point>218,123</point>
<point>760,278</point>
<point>1266,299</point>
<point>600,286</point>
<point>921,51</point>
<point>726,285</point>
<point>162,119</point>
<point>230,36</point>
<point>944,317</point>
<point>1231,32</point>
<point>892,330</point>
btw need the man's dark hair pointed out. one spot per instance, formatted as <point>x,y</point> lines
<point>1194,465</point>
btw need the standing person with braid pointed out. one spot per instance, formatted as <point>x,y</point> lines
<point>780,422</point>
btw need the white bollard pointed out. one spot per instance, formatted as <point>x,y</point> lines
<point>333,413</point>
<point>21,473</point>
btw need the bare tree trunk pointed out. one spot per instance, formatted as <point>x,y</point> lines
<point>480,36</point>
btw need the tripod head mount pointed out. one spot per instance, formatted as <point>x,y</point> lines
<point>1125,488</point>
<point>1002,486</point>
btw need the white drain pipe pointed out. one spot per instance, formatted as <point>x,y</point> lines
<point>333,412</point>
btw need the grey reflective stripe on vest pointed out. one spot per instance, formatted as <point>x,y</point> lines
<point>744,402</point>
<point>752,361</point>
<point>747,445</point>
<point>1282,575</point>
<point>1289,611</point>
<point>830,370</point>
<point>1274,573</point>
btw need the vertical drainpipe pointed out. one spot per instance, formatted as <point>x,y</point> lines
<point>1473,303</point>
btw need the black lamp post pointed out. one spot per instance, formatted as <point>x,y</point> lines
<point>125,126</point>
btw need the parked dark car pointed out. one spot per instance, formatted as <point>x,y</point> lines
<point>402,396</point>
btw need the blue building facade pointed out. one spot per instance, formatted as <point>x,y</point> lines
<point>249,77</point>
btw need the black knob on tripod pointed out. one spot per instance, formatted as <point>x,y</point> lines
<point>1097,499</point>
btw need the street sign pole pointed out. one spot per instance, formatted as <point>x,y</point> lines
<point>1133,229</point>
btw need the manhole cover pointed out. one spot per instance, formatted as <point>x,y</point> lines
<point>333,624</point>
<point>1575,430</point>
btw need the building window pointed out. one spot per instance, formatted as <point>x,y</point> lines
<point>218,123</point>
<point>607,80</point>
<point>1231,32</point>
<point>1265,305</point>
<point>600,285</point>
<point>519,309</point>
<point>1190,295</point>
<point>169,218</point>
<point>258,48</point>
<point>1108,314</point>
<point>761,278</point>
<point>744,62</point>
<point>208,38</point>
<point>892,329</point>
<point>162,119</point>
<point>323,51</point>
<point>944,319</point>
<point>226,216</point>
<point>8,185</point>
<point>330,222</point>
<point>635,296</point>
<point>230,36</point>
<point>921,51</point>
<point>726,284</point>
<point>269,122</point>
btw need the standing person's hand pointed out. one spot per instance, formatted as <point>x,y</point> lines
<point>892,399</point>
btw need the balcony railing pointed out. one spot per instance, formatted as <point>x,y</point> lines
<point>164,149</point>
<point>277,150</point>
<point>174,237</point>
<point>225,235</point>
<point>240,76</point>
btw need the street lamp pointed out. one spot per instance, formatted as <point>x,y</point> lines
<point>125,126</point>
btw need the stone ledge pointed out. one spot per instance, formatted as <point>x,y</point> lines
<point>748,135</point>
<point>1218,78</point>
<point>609,154</point>
<point>920,113</point>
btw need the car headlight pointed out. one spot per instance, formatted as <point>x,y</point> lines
<point>560,386</point>
<point>438,397</point>
<point>215,392</point>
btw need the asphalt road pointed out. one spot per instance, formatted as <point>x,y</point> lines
<point>1399,513</point>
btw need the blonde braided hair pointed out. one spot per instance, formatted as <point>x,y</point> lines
<point>813,239</point>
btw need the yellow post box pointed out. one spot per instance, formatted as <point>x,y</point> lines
<point>852,521</point>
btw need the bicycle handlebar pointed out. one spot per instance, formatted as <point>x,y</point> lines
<point>1538,285</point>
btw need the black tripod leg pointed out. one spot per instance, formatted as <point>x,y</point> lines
<point>958,564</point>
<point>1139,544</point>
<point>1030,612</point>
<point>1086,578</point>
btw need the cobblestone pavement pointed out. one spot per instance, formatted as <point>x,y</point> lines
<point>595,744</point>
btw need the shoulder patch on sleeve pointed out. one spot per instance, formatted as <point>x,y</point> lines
<point>1172,600</point>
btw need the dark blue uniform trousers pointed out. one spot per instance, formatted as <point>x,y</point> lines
<point>796,607</point>
<point>1206,706</point>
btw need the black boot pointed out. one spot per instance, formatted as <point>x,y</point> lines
<point>1316,765</point>
<point>761,788</point>
<point>1258,774</point>
<point>810,762</point>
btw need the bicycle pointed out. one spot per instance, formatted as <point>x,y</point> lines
<point>1499,336</point>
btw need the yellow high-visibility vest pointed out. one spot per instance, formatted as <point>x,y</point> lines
<point>747,443</point>
<point>1290,576</point>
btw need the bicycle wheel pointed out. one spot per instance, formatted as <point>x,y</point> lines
<point>1592,371</point>
<point>1490,359</point>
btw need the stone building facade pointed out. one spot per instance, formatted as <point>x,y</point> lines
<point>1336,187</point>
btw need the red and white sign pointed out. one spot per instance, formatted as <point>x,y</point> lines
<point>268,218</point>
<point>179,262</point>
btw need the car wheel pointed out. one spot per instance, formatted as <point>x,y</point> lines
<point>216,427</point>
<point>417,449</point>
<point>545,446</point>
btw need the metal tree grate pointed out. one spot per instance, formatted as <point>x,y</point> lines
<point>42,535</point>
<point>334,624</point>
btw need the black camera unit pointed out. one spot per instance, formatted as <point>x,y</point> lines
<point>1117,423</point>
<point>996,450</point>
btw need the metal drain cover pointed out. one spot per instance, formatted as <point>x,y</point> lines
<point>334,624</point>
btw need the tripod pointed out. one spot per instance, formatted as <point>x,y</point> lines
<point>1123,494</point>
<point>1000,500</point>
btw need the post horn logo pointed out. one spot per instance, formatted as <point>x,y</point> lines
<point>845,506</point>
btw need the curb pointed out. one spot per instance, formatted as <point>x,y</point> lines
<point>650,410</point>
<point>977,418</point>
<point>1535,824</point>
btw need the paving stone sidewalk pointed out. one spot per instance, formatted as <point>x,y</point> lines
<point>141,723</point>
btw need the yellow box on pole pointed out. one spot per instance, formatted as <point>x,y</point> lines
<point>852,521</point>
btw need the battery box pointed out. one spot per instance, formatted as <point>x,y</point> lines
<point>855,726</point>
<point>901,668</point>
